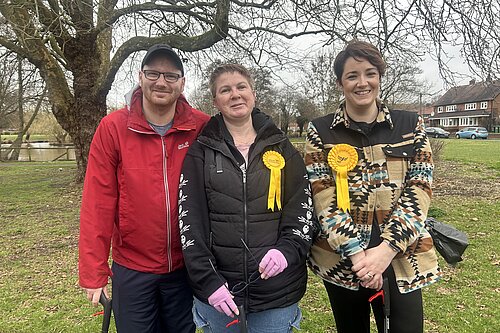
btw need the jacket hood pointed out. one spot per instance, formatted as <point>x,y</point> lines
<point>129,94</point>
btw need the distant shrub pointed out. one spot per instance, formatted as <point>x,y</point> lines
<point>437,147</point>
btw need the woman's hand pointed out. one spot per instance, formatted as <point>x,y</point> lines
<point>273,263</point>
<point>355,258</point>
<point>370,268</point>
<point>370,280</point>
<point>222,301</point>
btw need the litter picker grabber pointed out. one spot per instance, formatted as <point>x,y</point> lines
<point>106,318</point>
<point>386,303</point>
<point>241,320</point>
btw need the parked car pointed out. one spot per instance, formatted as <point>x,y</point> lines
<point>472,133</point>
<point>437,132</point>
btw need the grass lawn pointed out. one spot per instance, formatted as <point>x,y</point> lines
<point>39,291</point>
<point>473,151</point>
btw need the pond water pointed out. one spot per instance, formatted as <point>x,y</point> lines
<point>43,151</point>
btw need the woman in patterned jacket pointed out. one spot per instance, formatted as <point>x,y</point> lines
<point>370,169</point>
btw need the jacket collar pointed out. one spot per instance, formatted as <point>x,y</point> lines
<point>216,128</point>
<point>183,117</point>
<point>340,116</point>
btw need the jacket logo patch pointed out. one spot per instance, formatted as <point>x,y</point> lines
<point>183,145</point>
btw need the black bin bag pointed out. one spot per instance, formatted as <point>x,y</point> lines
<point>449,242</point>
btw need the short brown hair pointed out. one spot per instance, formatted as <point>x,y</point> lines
<point>229,68</point>
<point>359,49</point>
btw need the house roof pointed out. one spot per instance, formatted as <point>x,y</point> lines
<point>478,113</point>
<point>474,92</point>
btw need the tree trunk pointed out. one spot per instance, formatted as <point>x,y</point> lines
<point>90,111</point>
<point>81,122</point>
<point>83,115</point>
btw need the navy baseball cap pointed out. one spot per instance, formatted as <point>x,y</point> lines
<point>165,49</point>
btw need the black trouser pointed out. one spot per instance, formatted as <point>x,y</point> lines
<point>351,308</point>
<point>152,303</point>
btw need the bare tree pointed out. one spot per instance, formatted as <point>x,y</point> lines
<point>401,82</point>
<point>319,83</point>
<point>14,150</point>
<point>8,89</point>
<point>15,146</point>
<point>416,29</point>
<point>306,111</point>
<point>286,107</point>
<point>20,89</point>
<point>78,46</point>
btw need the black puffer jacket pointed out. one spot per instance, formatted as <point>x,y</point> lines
<point>221,204</point>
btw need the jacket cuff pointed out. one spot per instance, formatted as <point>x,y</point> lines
<point>392,246</point>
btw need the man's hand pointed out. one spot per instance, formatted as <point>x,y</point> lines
<point>93,295</point>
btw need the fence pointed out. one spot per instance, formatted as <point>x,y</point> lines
<point>41,153</point>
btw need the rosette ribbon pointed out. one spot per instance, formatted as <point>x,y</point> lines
<point>342,158</point>
<point>274,162</point>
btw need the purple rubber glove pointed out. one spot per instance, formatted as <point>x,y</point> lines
<point>223,302</point>
<point>273,263</point>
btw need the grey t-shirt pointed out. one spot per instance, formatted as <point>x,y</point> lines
<point>161,129</point>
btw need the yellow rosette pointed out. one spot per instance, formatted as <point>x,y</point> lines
<point>274,162</point>
<point>342,158</point>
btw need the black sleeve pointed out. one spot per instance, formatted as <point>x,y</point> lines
<point>194,225</point>
<point>296,225</point>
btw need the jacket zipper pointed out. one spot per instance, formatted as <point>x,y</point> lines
<point>167,202</point>
<point>245,220</point>
<point>167,195</point>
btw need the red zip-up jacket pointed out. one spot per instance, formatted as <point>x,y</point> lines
<point>130,193</point>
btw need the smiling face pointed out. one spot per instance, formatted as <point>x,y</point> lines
<point>360,83</point>
<point>234,97</point>
<point>160,94</point>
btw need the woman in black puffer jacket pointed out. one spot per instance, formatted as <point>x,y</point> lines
<point>245,238</point>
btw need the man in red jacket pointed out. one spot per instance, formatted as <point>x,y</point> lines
<point>130,200</point>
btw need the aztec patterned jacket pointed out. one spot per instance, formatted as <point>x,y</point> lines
<point>391,184</point>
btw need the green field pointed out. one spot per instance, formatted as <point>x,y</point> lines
<point>486,152</point>
<point>39,206</point>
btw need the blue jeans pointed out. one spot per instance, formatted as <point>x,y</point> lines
<point>278,320</point>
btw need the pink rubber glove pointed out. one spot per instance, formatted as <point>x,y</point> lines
<point>223,302</point>
<point>273,263</point>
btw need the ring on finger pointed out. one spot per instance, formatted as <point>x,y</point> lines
<point>370,276</point>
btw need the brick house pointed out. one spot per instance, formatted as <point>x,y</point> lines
<point>476,104</point>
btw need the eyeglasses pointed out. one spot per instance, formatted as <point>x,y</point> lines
<point>155,75</point>
<point>241,286</point>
